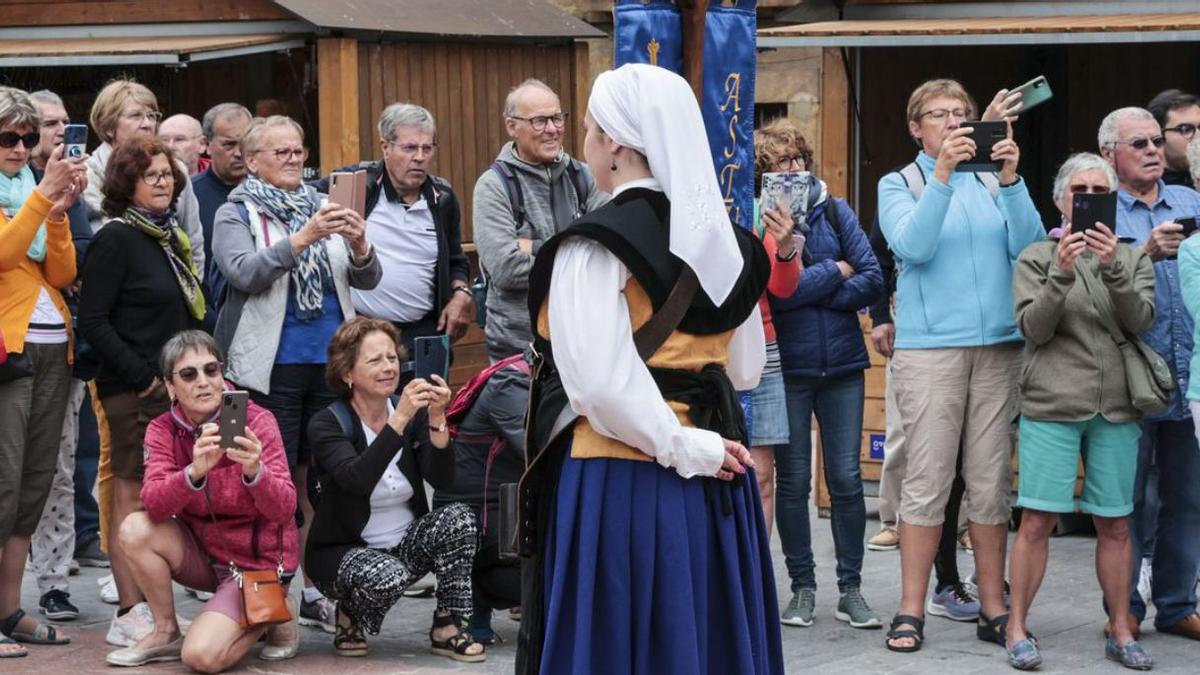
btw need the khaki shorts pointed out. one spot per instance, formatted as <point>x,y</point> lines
<point>944,395</point>
<point>126,417</point>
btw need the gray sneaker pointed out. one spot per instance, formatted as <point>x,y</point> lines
<point>799,611</point>
<point>321,613</point>
<point>854,610</point>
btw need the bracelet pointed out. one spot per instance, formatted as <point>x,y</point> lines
<point>439,429</point>
<point>790,258</point>
<point>464,289</point>
<point>1004,185</point>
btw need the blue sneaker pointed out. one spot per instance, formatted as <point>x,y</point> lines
<point>954,602</point>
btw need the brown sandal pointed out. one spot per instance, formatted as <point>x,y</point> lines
<point>456,646</point>
<point>348,634</point>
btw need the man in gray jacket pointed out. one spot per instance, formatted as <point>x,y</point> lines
<point>533,191</point>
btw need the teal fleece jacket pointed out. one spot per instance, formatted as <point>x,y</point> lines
<point>956,249</point>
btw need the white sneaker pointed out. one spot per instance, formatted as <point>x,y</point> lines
<point>1145,579</point>
<point>128,630</point>
<point>108,589</point>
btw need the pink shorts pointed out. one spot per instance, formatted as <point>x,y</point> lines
<point>198,571</point>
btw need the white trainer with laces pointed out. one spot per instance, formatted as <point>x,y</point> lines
<point>128,630</point>
<point>108,589</point>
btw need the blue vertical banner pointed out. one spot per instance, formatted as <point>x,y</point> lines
<point>650,32</point>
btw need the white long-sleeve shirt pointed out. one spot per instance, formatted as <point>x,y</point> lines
<point>604,378</point>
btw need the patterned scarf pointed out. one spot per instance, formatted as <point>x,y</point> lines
<point>312,278</point>
<point>13,193</point>
<point>161,227</point>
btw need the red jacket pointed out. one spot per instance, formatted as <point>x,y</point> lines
<point>250,518</point>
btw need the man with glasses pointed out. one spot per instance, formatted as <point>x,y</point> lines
<point>1178,113</point>
<point>1131,140</point>
<point>222,129</point>
<point>532,191</point>
<point>181,134</point>
<point>414,223</point>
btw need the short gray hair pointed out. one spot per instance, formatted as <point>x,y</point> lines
<point>16,110</point>
<point>47,97</point>
<point>1077,163</point>
<point>1107,135</point>
<point>404,116</point>
<point>510,101</point>
<point>180,344</point>
<point>221,111</point>
<point>252,139</point>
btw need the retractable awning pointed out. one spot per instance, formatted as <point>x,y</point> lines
<point>138,50</point>
<point>494,19</point>
<point>1113,28</point>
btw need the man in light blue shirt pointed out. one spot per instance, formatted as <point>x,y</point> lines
<point>1147,211</point>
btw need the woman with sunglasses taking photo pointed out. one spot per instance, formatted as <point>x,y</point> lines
<point>37,257</point>
<point>290,262</point>
<point>140,287</point>
<point>208,506</point>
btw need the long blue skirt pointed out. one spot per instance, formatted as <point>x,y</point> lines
<point>649,573</point>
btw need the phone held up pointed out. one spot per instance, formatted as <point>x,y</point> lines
<point>986,135</point>
<point>348,189</point>
<point>1088,209</point>
<point>431,356</point>
<point>1033,93</point>
<point>233,417</point>
<point>75,140</point>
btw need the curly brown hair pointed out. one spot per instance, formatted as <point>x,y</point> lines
<point>779,138</point>
<point>343,349</point>
<point>125,169</point>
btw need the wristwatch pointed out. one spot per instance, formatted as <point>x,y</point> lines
<point>795,252</point>
<point>438,429</point>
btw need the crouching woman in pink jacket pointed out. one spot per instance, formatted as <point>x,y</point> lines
<point>207,506</point>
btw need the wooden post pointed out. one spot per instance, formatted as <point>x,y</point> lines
<point>692,17</point>
<point>834,160</point>
<point>337,102</point>
<point>581,89</point>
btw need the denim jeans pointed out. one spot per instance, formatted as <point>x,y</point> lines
<point>1172,447</point>
<point>87,463</point>
<point>837,403</point>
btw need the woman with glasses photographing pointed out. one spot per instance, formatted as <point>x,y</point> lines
<point>208,507</point>
<point>290,263</point>
<point>140,286</point>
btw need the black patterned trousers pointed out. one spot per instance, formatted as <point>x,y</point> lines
<point>370,581</point>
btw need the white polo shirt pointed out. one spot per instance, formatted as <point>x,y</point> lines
<point>405,239</point>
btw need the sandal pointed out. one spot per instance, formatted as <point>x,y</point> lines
<point>348,634</point>
<point>44,634</point>
<point>12,653</point>
<point>456,646</point>
<point>996,630</point>
<point>916,633</point>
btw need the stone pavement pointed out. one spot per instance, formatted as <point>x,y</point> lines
<point>1066,617</point>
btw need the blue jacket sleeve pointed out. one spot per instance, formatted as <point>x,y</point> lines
<point>912,227</point>
<point>1024,223</point>
<point>866,284</point>
<point>817,283</point>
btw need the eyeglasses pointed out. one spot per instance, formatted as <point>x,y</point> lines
<point>286,154</point>
<point>539,123</point>
<point>1187,130</point>
<point>212,369</point>
<point>411,149</point>
<point>152,115</point>
<point>1141,143</point>
<point>785,163</point>
<point>152,179</point>
<point>9,139</point>
<point>940,114</point>
<point>1090,189</point>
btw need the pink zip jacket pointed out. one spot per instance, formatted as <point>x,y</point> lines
<point>250,517</point>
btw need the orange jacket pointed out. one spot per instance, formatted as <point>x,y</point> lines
<point>21,278</point>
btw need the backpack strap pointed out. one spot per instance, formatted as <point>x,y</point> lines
<point>914,178</point>
<point>341,411</point>
<point>991,181</point>
<point>512,187</point>
<point>575,174</point>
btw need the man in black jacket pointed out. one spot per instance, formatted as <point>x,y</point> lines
<point>413,221</point>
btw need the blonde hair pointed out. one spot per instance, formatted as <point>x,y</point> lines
<point>252,139</point>
<point>935,88</point>
<point>778,138</point>
<point>111,100</point>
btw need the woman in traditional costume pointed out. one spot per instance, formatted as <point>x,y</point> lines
<point>640,509</point>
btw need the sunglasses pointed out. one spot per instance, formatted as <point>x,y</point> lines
<point>211,369</point>
<point>1141,143</point>
<point>9,139</point>
<point>1090,189</point>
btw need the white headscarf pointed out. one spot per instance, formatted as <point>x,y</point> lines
<point>654,111</point>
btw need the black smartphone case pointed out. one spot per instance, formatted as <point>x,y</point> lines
<point>432,356</point>
<point>985,135</point>
<point>1088,208</point>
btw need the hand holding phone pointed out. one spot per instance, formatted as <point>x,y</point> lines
<point>75,140</point>
<point>1188,224</point>
<point>348,189</point>
<point>1033,93</point>
<point>1088,209</point>
<point>431,356</point>
<point>985,135</point>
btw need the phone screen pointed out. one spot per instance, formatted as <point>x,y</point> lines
<point>75,140</point>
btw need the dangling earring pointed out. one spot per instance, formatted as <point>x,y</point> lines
<point>350,385</point>
<point>614,166</point>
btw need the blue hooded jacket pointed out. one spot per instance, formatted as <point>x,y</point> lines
<point>817,328</point>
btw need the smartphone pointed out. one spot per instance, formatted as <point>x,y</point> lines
<point>985,135</point>
<point>1033,93</point>
<point>349,189</point>
<point>1087,209</point>
<point>1189,225</point>
<point>431,357</point>
<point>75,138</point>
<point>233,417</point>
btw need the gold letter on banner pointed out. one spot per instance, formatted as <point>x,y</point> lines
<point>652,48</point>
